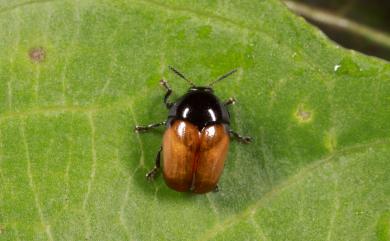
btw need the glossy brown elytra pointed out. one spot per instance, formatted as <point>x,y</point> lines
<point>196,140</point>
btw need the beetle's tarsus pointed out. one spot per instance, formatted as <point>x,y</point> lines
<point>151,175</point>
<point>169,92</point>
<point>246,139</point>
<point>216,188</point>
<point>230,101</point>
<point>240,138</point>
<point>164,83</point>
<point>140,128</point>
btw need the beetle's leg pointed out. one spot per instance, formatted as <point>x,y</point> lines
<point>169,92</point>
<point>148,127</point>
<point>240,138</point>
<point>230,101</point>
<point>216,188</point>
<point>154,171</point>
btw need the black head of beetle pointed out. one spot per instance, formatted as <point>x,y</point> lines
<point>200,107</point>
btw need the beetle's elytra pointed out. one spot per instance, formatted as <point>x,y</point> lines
<point>196,139</point>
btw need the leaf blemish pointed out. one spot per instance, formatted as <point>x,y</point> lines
<point>303,115</point>
<point>37,54</point>
<point>1,229</point>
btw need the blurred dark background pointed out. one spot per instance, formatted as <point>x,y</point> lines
<point>362,25</point>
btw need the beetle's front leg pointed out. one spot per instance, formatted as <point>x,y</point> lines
<point>240,138</point>
<point>148,127</point>
<point>154,171</point>
<point>230,101</point>
<point>169,92</point>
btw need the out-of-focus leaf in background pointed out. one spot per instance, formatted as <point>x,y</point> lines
<point>362,25</point>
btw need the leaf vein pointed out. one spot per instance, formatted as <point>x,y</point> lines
<point>68,165</point>
<point>92,174</point>
<point>55,110</point>
<point>114,59</point>
<point>259,231</point>
<point>16,6</point>
<point>336,206</point>
<point>142,158</point>
<point>9,94</point>
<point>93,166</point>
<point>123,208</point>
<point>75,36</point>
<point>32,185</point>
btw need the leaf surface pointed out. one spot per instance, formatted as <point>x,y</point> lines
<point>77,76</point>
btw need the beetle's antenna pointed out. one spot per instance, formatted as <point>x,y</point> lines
<point>223,77</point>
<point>181,75</point>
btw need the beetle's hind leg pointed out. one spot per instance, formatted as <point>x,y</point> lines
<point>240,138</point>
<point>151,175</point>
<point>148,127</point>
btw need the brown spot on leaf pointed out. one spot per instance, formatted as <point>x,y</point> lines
<point>37,54</point>
<point>1,229</point>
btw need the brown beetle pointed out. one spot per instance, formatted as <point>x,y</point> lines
<point>196,141</point>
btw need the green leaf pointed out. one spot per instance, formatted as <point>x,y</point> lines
<point>77,76</point>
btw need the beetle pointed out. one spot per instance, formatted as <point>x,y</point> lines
<point>196,139</point>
